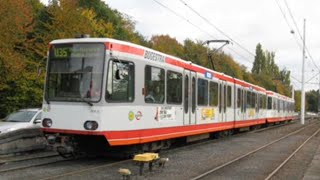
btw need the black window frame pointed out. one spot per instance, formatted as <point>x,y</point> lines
<point>106,86</point>
<point>167,87</point>
<point>164,84</point>
<point>229,96</point>
<point>205,96</point>
<point>215,96</point>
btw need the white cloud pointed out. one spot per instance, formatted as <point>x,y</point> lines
<point>248,22</point>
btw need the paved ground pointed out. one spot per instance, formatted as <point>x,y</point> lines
<point>189,161</point>
<point>313,172</point>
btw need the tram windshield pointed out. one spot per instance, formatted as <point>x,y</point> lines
<point>75,72</point>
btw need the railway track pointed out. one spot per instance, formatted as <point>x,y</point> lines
<point>96,164</point>
<point>208,141</point>
<point>291,155</point>
<point>83,170</point>
<point>24,163</point>
<point>207,174</point>
<point>15,160</point>
<point>101,165</point>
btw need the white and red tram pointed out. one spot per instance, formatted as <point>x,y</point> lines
<point>110,93</point>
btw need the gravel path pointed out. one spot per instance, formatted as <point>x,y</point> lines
<point>185,162</point>
<point>261,163</point>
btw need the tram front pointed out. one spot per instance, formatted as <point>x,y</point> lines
<point>73,93</point>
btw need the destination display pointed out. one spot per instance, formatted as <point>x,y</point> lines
<point>77,51</point>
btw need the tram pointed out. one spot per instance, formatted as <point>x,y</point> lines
<point>103,94</point>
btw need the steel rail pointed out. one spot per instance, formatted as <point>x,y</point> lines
<point>33,165</point>
<point>85,170</point>
<point>295,152</point>
<point>249,153</point>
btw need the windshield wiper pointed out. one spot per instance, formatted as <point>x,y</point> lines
<point>12,120</point>
<point>86,101</point>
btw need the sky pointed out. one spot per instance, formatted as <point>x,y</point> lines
<point>247,22</point>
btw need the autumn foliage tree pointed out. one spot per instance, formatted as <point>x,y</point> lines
<point>267,73</point>
<point>166,44</point>
<point>20,85</point>
<point>27,27</point>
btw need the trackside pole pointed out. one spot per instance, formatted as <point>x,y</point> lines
<point>302,82</point>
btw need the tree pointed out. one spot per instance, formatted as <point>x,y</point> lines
<point>18,85</point>
<point>267,74</point>
<point>166,44</point>
<point>27,27</point>
<point>258,60</point>
<point>297,99</point>
<point>122,25</point>
<point>195,52</point>
<point>312,101</point>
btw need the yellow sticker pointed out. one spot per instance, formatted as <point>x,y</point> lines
<point>207,113</point>
<point>251,113</point>
<point>131,115</point>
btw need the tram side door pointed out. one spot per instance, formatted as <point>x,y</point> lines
<point>244,104</point>
<point>239,109</point>
<point>189,99</point>
<point>222,101</point>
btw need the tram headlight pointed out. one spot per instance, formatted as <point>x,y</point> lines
<point>46,122</point>
<point>91,125</point>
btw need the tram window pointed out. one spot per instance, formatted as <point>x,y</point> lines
<point>202,92</point>
<point>154,85</point>
<point>263,101</point>
<point>229,96</point>
<point>174,87</point>
<point>186,94</point>
<point>253,102</point>
<point>249,97</point>
<point>193,89</point>
<point>239,98</point>
<point>213,96</point>
<point>260,101</point>
<point>269,102</point>
<point>120,82</point>
<point>244,100</point>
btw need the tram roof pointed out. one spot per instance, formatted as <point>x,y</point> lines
<point>140,50</point>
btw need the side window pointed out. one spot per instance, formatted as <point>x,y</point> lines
<point>239,98</point>
<point>213,96</point>
<point>249,97</point>
<point>269,102</point>
<point>186,94</point>
<point>120,81</point>
<point>193,89</point>
<point>174,87</point>
<point>154,85</point>
<point>229,96</point>
<point>202,92</point>
<point>262,101</point>
<point>253,102</point>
